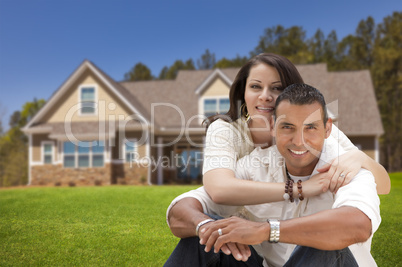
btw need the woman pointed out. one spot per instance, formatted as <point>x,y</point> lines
<point>246,126</point>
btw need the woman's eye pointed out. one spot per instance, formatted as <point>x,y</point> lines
<point>278,88</point>
<point>254,86</point>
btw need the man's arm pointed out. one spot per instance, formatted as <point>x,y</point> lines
<point>326,230</point>
<point>184,217</point>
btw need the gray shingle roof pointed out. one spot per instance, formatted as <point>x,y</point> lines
<point>351,92</point>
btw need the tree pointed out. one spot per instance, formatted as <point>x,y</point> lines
<point>171,73</point>
<point>387,77</point>
<point>317,46</point>
<point>139,72</point>
<point>236,62</point>
<point>289,42</point>
<point>207,61</point>
<point>14,147</point>
<point>330,50</point>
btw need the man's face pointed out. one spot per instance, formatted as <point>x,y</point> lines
<point>300,133</point>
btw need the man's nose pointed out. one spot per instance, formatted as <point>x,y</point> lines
<point>298,139</point>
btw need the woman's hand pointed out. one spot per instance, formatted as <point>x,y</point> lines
<point>316,185</point>
<point>342,169</point>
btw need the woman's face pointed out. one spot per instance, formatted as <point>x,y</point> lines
<point>263,86</point>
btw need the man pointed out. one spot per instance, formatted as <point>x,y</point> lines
<point>328,223</point>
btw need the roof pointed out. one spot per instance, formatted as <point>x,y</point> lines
<point>173,104</point>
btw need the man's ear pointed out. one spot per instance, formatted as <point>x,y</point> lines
<point>328,128</point>
<point>272,125</point>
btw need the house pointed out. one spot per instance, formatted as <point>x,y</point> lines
<point>94,130</point>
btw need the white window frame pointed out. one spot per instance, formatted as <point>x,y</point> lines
<point>82,86</point>
<point>132,140</point>
<point>201,110</point>
<point>90,154</point>
<point>43,143</point>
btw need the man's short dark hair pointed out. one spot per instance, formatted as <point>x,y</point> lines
<point>302,94</point>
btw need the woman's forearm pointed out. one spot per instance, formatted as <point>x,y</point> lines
<point>224,188</point>
<point>380,174</point>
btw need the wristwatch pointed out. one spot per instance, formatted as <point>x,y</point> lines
<point>275,231</point>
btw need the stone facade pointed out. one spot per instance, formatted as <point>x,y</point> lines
<point>130,175</point>
<point>58,175</point>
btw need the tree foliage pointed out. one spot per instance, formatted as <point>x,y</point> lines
<point>207,61</point>
<point>14,146</point>
<point>140,72</point>
<point>236,62</point>
<point>386,70</point>
<point>171,72</point>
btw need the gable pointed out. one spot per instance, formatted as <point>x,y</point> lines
<point>67,107</point>
<point>217,88</point>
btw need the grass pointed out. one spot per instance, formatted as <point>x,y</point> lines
<point>386,245</point>
<point>123,226</point>
<point>86,226</point>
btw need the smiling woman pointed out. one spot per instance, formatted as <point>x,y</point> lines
<point>257,85</point>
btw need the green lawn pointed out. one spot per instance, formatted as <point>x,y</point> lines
<point>122,225</point>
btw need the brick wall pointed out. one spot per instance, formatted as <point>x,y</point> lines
<point>57,175</point>
<point>124,174</point>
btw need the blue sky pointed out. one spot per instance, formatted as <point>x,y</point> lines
<point>43,41</point>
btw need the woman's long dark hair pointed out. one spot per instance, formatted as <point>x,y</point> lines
<point>287,73</point>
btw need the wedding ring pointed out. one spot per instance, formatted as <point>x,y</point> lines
<point>342,175</point>
<point>220,231</point>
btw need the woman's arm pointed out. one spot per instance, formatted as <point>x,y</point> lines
<point>224,188</point>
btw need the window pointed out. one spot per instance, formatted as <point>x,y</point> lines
<point>213,106</point>
<point>97,154</point>
<point>47,152</point>
<point>83,155</point>
<point>69,154</point>
<point>87,99</point>
<point>130,147</point>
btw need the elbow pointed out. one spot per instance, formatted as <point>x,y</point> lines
<point>217,194</point>
<point>384,190</point>
<point>361,229</point>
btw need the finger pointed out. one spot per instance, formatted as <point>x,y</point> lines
<point>220,241</point>
<point>349,177</point>
<point>207,230</point>
<point>235,251</point>
<point>211,241</point>
<point>244,251</point>
<point>341,180</point>
<point>226,249</point>
<point>335,178</point>
<point>324,168</point>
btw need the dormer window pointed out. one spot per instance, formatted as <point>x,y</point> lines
<point>88,100</point>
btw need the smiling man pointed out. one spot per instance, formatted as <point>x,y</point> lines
<point>322,225</point>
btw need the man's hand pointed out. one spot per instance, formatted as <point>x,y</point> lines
<point>240,252</point>
<point>235,230</point>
